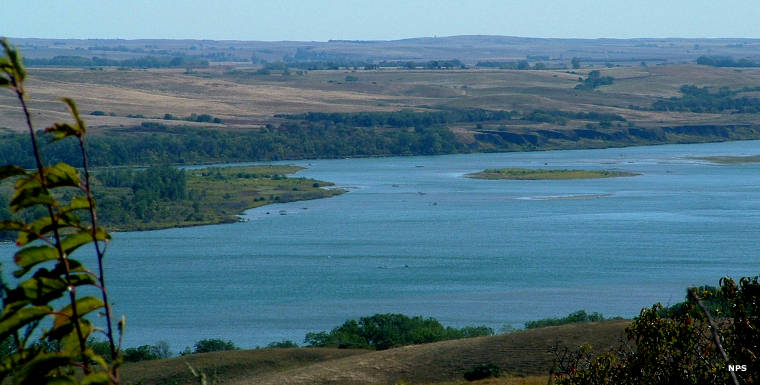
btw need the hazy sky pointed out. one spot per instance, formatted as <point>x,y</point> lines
<point>377,20</point>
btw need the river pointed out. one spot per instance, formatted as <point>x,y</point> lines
<point>414,236</point>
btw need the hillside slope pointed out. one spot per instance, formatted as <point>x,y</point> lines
<point>521,353</point>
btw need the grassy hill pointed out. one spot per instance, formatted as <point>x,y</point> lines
<point>522,354</point>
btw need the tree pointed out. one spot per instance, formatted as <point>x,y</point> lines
<point>214,345</point>
<point>696,342</point>
<point>575,63</point>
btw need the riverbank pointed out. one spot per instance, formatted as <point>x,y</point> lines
<point>213,195</point>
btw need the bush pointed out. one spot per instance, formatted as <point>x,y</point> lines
<point>140,353</point>
<point>214,345</point>
<point>679,347</point>
<point>575,317</point>
<point>385,331</point>
<point>482,371</point>
<point>283,344</point>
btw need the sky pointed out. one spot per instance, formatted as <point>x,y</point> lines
<point>321,20</point>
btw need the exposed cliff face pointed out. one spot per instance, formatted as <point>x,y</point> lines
<point>525,139</point>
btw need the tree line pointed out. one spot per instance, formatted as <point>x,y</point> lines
<point>142,62</point>
<point>294,140</point>
<point>703,99</point>
<point>726,61</point>
<point>300,136</point>
<point>401,119</point>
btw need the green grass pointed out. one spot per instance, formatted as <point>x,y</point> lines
<point>528,174</point>
<point>730,159</point>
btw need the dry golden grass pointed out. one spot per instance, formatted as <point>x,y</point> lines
<point>242,99</point>
<point>525,356</point>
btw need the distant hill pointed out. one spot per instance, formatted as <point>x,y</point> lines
<point>470,49</point>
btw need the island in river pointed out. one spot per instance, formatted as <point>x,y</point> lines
<point>541,174</point>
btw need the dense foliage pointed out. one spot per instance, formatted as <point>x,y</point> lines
<point>594,80</point>
<point>726,61</point>
<point>289,141</point>
<point>700,99</point>
<point>149,188</point>
<point>575,317</point>
<point>561,117</point>
<point>403,118</point>
<point>213,345</point>
<point>510,65</point>
<point>142,62</point>
<point>385,331</point>
<point>482,371</point>
<point>679,347</point>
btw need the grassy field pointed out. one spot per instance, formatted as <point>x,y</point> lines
<point>528,174</point>
<point>524,356</point>
<point>243,99</point>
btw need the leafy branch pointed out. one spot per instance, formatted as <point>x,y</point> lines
<point>46,270</point>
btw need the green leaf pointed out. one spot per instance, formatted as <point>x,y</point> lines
<point>26,198</point>
<point>63,317</point>
<point>82,237</point>
<point>68,218</point>
<point>64,329</point>
<point>82,279</point>
<point>70,340</point>
<point>28,257</point>
<point>10,170</point>
<point>96,358</point>
<point>72,106</point>
<point>32,231</point>
<point>63,130</point>
<point>18,319</point>
<point>61,175</point>
<point>38,371</point>
<point>84,305</point>
<point>40,289</point>
<point>79,202</point>
<point>97,378</point>
<point>12,226</point>
<point>14,60</point>
<point>31,180</point>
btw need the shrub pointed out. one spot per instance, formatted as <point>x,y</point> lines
<point>283,344</point>
<point>384,331</point>
<point>213,345</point>
<point>681,347</point>
<point>575,317</point>
<point>482,371</point>
<point>140,353</point>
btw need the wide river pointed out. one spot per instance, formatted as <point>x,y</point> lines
<point>414,236</point>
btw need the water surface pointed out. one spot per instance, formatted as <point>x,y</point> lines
<point>413,236</point>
